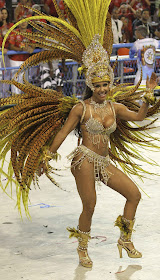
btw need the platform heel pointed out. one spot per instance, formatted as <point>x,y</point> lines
<point>119,249</point>
<point>83,239</point>
<point>124,242</point>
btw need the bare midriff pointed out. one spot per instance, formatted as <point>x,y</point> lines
<point>101,148</point>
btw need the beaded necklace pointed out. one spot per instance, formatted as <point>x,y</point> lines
<point>100,109</point>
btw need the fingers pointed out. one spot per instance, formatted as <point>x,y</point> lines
<point>154,76</point>
<point>152,82</point>
<point>41,169</point>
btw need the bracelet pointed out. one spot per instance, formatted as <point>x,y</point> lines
<point>48,155</point>
<point>148,97</point>
<point>52,155</point>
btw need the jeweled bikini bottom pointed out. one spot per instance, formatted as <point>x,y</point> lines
<point>100,162</point>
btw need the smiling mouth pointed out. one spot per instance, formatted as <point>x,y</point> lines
<point>102,94</point>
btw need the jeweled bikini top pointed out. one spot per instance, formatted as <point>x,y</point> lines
<point>94,127</point>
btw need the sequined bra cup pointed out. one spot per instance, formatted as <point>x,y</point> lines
<point>97,132</point>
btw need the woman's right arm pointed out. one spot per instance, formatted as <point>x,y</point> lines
<point>70,124</point>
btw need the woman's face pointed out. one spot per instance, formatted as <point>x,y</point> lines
<point>100,91</point>
<point>23,25</point>
<point>4,14</point>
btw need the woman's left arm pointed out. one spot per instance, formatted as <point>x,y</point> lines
<point>124,113</point>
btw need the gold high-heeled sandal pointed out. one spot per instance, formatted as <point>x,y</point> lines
<point>132,253</point>
<point>126,229</point>
<point>83,238</point>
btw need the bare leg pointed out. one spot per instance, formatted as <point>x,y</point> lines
<point>126,187</point>
<point>85,182</point>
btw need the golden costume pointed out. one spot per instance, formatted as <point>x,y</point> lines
<point>100,162</point>
<point>29,127</point>
<point>96,134</point>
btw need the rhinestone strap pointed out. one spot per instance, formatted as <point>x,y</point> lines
<point>84,232</point>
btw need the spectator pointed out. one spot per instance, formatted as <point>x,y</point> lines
<point>51,77</point>
<point>21,11</point>
<point>49,8</point>
<point>140,4</point>
<point>2,3</point>
<point>137,16</point>
<point>145,49</point>
<point>129,13</point>
<point>127,34</point>
<point>156,16</point>
<point>19,43</point>
<point>145,19</point>
<point>38,8</point>
<point>137,19</point>
<point>116,26</point>
<point>115,3</point>
<point>6,25</point>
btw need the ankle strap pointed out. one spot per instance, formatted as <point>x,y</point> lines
<point>83,232</point>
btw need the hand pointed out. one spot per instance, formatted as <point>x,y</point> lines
<point>41,169</point>
<point>152,82</point>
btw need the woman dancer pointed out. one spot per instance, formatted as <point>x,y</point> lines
<point>35,127</point>
<point>91,162</point>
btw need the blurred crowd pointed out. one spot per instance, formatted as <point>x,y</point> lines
<point>47,75</point>
<point>128,15</point>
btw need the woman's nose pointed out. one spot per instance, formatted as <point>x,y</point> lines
<point>102,89</point>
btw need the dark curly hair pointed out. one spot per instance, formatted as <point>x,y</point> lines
<point>87,94</point>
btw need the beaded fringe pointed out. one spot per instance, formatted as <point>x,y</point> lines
<point>100,162</point>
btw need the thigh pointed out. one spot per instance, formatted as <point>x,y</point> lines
<point>85,181</point>
<point>121,183</point>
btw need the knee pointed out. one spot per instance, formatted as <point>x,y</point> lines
<point>89,207</point>
<point>136,197</point>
